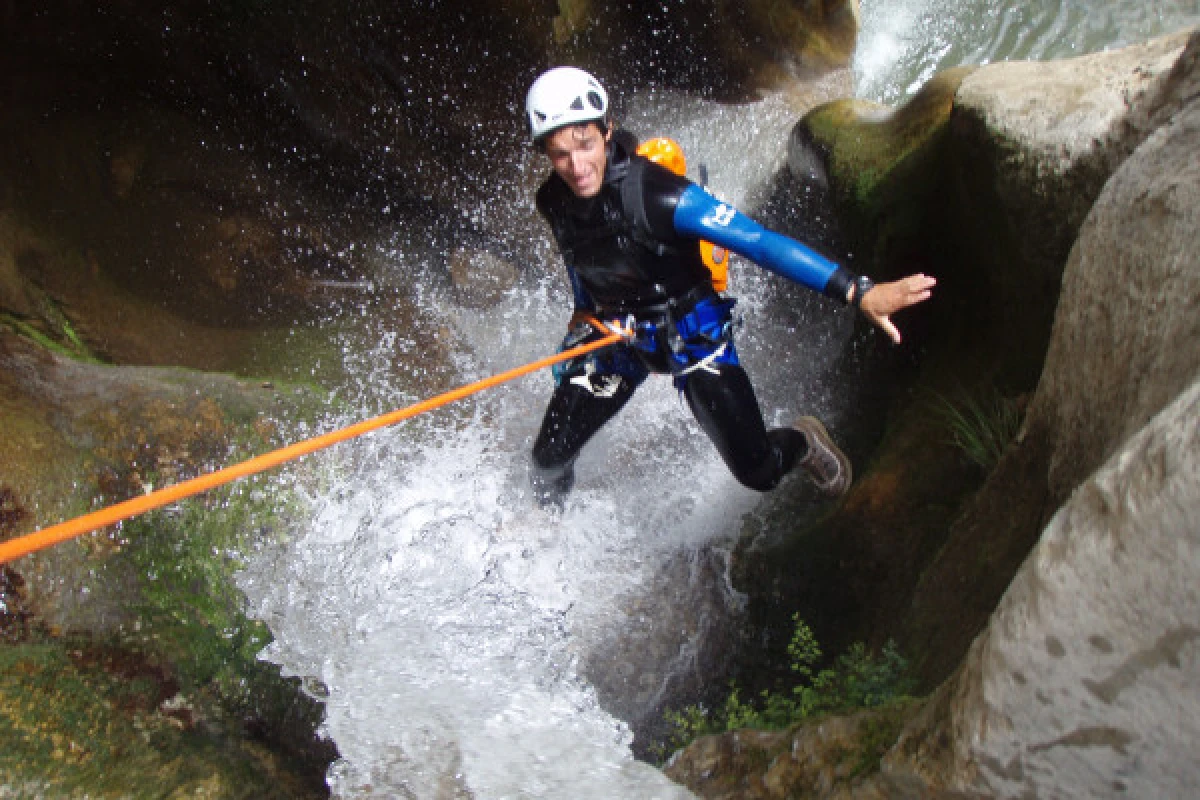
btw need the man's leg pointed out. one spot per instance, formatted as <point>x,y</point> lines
<point>574,415</point>
<point>725,406</point>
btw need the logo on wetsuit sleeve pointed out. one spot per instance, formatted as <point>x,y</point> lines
<point>723,215</point>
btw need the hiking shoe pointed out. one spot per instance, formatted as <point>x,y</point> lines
<point>824,462</point>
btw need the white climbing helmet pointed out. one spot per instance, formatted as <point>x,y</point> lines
<point>564,96</point>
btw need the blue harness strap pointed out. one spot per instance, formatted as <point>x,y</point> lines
<point>697,340</point>
<point>701,339</point>
<point>705,339</point>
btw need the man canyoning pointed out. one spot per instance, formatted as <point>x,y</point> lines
<point>629,231</point>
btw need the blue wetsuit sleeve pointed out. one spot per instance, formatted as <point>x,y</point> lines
<point>698,214</point>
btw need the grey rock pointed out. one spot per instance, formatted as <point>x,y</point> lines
<point>1057,130</point>
<point>1085,682</point>
<point>1124,341</point>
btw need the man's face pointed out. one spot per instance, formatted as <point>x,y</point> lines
<point>577,153</point>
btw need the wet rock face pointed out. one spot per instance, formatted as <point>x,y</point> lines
<point>986,179</point>
<point>1120,349</point>
<point>1084,683</point>
<point>713,47</point>
<point>675,636</point>
<point>1034,143</point>
<point>1130,288</point>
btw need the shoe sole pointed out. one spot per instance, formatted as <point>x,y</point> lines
<point>817,429</point>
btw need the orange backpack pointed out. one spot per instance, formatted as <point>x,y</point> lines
<point>669,154</point>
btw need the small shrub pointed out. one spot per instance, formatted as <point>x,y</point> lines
<point>856,679</point>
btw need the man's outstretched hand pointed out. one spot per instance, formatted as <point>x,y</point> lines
<point>885,299</point>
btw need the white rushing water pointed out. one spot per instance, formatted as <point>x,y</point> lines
<point>903,43</point>
<point>447,621</point>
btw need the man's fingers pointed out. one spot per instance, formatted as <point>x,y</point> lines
<point>910,291</point>
<point>916,288</point>
<point>886,299</point>
<point>885,324</point>
<point>912,298</point>
<point>890,329</point>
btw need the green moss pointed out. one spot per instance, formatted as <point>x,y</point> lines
<point>865,142</point>
<point>886,165</point>
<point>188,607</point>
<point>172,572</point>
<point>878,732</point>
<point>73,725</point>
<point>981,424</point>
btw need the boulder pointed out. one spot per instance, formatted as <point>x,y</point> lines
<point>148,603</point>
<point>1084,683</point>
<point>834,757</point>
<point>1117,356</point>
<point>79,435</point>
<point>984,178</point>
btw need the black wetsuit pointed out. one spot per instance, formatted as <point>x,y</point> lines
<point>633,250</point>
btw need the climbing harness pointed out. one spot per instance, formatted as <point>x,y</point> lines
<point>707,362</point>
<point>670,341</point>
<point>54,534</point>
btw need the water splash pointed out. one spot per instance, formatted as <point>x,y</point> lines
<point>902,44</point>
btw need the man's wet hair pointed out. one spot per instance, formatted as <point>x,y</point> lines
<point>602,124</point>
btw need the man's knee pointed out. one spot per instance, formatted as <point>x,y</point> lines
<point>762,476</point>
<point>551,483</point>
<point>553,447</point>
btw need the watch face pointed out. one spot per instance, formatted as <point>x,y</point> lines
<point>862,285</point>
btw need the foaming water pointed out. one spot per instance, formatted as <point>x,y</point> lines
<point>440,613</point>
<point>454,629</point>
<point>903,43</point>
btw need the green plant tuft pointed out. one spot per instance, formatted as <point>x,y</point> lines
<point>980,424</point>
<point>856,679</point>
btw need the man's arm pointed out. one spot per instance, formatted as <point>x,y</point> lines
<point>700,215</point>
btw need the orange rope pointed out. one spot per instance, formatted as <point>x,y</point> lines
<point>24,545</point>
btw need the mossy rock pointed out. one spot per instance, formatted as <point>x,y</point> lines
<point>885,166</point>
<point>156,591</point>
<point>77,720</point>
<point>831,756</point>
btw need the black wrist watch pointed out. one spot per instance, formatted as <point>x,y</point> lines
<point>862,285</point>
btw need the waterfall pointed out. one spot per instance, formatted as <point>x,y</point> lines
<point>453,628</point>
<point>902,44</point>
<point>456,631</point>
